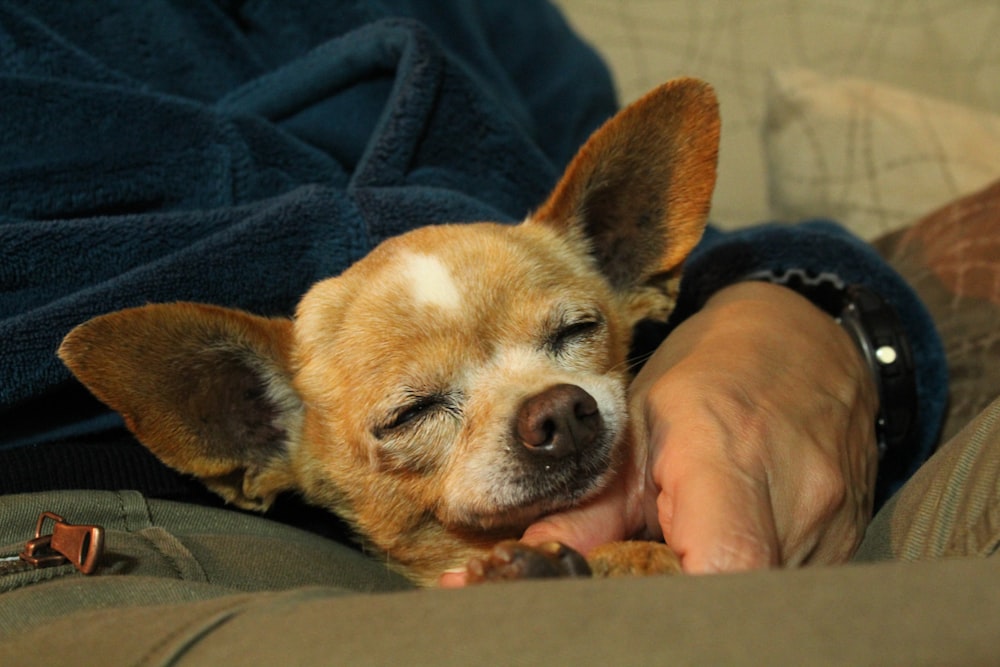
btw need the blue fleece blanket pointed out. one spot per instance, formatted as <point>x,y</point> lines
<point>235,153</point>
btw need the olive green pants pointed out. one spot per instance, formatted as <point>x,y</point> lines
<point>188,585</point>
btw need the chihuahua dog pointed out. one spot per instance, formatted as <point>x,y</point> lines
<point>455,385</point>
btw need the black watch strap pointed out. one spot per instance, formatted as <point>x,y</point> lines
<point>878,332</point>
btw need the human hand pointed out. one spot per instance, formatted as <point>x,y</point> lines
<point>757,414</point>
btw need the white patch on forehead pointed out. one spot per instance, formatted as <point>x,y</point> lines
<point>430,282</point>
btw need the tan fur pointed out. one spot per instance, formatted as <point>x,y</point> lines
<point>393,401</point>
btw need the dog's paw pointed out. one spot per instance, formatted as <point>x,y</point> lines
<point>512,560</point>
<point>636,558</point>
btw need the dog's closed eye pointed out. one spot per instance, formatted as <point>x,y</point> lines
<point>411,413</point>
<point>574,331</point>
<point>413,436</point>
<point>414,411</point>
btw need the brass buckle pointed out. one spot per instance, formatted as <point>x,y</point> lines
<point>80,545</point>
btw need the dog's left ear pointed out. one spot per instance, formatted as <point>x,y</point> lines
<point>639,191</point>
<point>206,389</point>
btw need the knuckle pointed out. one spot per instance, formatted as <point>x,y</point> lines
<point>827,486</point>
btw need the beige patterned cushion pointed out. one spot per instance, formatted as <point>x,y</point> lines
<point>870,156</point>
<point>940,48</point>
<point>952,258</point>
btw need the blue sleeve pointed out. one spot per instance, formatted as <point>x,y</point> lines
<point>818,246</point>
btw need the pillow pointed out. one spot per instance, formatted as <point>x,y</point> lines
<point>952,258</point>
<point>870,156</point>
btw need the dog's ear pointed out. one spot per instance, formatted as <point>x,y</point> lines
<point>639,191</point>
<point>207,389</point>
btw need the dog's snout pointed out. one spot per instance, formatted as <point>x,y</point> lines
<point>559,421</point>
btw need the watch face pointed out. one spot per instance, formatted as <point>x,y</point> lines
<point>852,323</point>
<point>881,338</point>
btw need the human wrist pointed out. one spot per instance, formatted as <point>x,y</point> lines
<point>880,338</point>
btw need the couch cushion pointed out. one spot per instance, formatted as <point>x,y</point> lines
<point>952,258</point>
<point>871,156</point>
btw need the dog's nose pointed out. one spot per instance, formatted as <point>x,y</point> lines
<point>559,421</point>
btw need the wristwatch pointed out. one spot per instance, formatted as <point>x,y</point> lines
<point>878,333</point>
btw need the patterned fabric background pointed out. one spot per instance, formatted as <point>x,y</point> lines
<point>939,48</point>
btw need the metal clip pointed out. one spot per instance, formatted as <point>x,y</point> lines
<point>80,545</point>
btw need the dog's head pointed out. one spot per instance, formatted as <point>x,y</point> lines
<point>454,385</point>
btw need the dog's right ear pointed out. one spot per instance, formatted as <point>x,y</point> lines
<point>638,193</point>
<point>207,389</point>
